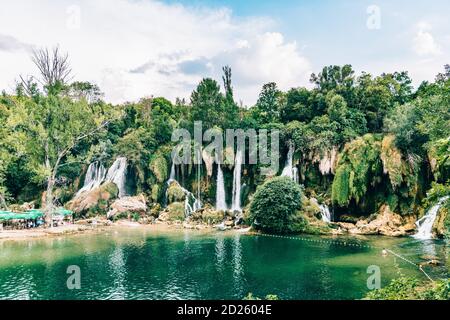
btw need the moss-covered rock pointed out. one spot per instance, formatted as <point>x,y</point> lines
<point>358,165</point>
<point>175,193</point>
<point>208,215</point>
<point>94,202</point>
<point>173,212</point>
<point>441,225</point>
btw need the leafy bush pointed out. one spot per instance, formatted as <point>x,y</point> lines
<point>275,204</point>
<point>250,296</point>
<point>405,288</point>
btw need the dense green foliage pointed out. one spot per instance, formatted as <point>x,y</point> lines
<point>275,206</point>
<point>360,141</point>
<point>411,289</point>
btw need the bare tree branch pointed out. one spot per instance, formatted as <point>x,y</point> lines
<point>54,67</point>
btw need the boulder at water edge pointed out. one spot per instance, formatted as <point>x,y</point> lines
<point>130,205</point>
<point>97,199</point>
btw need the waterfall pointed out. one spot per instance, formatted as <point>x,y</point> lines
<point>220,190</point>
<point>172,173</point>
<point>289,170</point>
<point>197,202</point>
<point>117,174</point>
<point>95,175</point>
<point>191,203</point>
<point>425,224</point>
<point>236,204</point>
<point>325,212</point>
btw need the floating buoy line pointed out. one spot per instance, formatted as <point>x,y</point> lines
<point>343,243</point>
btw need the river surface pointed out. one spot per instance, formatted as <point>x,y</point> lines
<point>144,263</point>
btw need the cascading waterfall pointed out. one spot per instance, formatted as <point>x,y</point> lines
<point>197,202</point>
<point>172,173</point>
<point>325,212</point>
<point>425,224</point>
<point>191,203</point>
<point>236,203</point>
<point>95,175</point>
<point>220,189</point>
<point>117,174</point>
<point>289,170</point>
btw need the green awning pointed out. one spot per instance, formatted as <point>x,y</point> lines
<point>30,215</point>
<point>63,212</point>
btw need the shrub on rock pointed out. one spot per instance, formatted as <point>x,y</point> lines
<point>274,207</point>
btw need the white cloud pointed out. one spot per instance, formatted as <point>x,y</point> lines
<point>143,47</point>
<point>424,43</point>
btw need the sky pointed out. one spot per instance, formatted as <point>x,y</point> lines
<point>141,48</point>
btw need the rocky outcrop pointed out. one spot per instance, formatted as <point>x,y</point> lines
<point>208,215</point>
<point>173,212</point>
<point>385,223</point>
<point>441,226</point>
<point>97,199</point>
<point>130,205</point>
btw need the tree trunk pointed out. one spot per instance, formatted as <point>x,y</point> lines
<point>3,202</point>
<point>49,202</point>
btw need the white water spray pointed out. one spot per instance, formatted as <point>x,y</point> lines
<point>236,203</point>
<point>172,173</point>
<point>95,175</point>
<point>220,189</point>
<point>425,224</point>
<point>191,203</point>
<point>117,174</point>
<point>289,170</point>
<point>325,212</point>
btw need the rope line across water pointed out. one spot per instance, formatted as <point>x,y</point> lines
<point>343,243</point>
<point>322,241</point>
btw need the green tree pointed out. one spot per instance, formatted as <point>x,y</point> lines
<point>207,103</point>
<point>274,208</point>
<point>48,132</point>
<point>268,104</point>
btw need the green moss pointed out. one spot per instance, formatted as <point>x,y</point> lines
<point>392,161</point>
<point>176,211</point>
<point>156,192</point>
<point>159,167</point>
<point>175,193</point>
<point>250,296</point>
<point>358,165</point>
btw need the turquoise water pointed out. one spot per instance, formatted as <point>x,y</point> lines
<point>147,264</point>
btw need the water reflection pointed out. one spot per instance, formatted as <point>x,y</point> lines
<point>220,254</point>
<point>119,272</point>
<point>238,269</point>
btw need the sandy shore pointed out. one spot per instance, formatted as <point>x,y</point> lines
<point>77,229</point>
<point>8,235</point>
